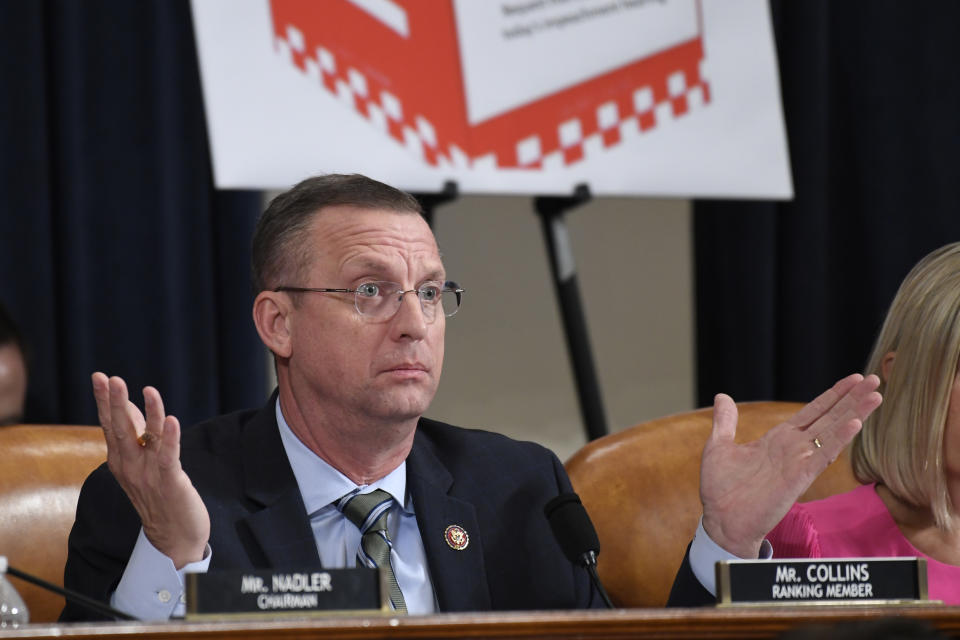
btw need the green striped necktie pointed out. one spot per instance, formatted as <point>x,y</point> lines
<point>369,512</point>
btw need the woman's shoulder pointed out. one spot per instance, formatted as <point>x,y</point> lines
<point>862,501</point>
<point>826,527</point>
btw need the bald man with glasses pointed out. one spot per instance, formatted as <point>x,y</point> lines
<point>339,468</point>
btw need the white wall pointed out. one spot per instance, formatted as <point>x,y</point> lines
<point>506,366</point>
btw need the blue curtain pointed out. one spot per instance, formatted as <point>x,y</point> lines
<point>116,252</point>
<point>790,295</point>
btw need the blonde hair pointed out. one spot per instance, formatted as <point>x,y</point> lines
<point>901,443</point>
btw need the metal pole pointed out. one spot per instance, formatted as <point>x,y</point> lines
<point>551,210</point>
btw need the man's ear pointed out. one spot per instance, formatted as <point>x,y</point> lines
<point>270,311</point>
<point>886,365</point>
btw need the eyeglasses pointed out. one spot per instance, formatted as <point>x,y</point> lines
<point>380,300</point>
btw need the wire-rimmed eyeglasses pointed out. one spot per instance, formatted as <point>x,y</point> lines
<point>380,300</point>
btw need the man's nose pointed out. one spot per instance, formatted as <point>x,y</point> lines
<point>411,317</point>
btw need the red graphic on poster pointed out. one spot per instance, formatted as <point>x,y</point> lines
<point>403,73</point>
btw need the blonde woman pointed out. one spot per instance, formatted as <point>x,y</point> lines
<point>908,453</point>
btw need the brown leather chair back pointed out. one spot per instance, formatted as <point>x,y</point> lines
<point>641,487</point>
<point>41,470</point>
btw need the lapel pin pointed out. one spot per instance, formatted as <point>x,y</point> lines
<point>456,537</point>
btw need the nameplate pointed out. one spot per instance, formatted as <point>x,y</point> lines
<point>285,593</point>
<point>822,580</point>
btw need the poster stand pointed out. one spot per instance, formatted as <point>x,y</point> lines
<point>551,210</point>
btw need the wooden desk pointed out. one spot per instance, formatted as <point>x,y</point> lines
<point>620,623</point>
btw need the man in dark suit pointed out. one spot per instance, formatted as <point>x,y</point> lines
<point>510,560</point>
<point>352,301</point>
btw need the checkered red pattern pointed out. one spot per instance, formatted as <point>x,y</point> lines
<point>430,119</point>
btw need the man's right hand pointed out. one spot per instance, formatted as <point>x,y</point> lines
<point>173,515</point>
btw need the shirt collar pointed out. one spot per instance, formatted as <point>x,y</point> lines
<point>321,484</point>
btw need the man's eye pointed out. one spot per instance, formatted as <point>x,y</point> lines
<point>429,294</point>
<point>368,290</point>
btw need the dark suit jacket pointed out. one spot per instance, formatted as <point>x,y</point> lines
<point>492,486</point>
<point>687,590</point>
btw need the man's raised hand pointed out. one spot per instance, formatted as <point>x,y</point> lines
<point>143,454</point>
<point>746,489</point>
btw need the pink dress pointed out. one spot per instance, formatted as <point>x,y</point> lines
<point>856,524</point>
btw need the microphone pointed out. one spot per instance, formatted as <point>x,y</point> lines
<point>577,538</point>
<point>72,596</point>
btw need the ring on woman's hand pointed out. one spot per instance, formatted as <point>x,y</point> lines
<point>817,443</point>
<point>146,438</point>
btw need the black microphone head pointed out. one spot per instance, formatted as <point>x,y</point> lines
<point>572,527</point>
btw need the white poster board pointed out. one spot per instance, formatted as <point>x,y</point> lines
<point>632,97</point>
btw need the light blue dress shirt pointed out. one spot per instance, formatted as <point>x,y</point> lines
<point>705,554</point>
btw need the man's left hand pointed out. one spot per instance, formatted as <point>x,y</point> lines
<point>746,489</point>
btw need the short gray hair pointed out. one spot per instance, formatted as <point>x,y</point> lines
<point>278,242</point>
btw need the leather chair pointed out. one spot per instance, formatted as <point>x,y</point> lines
<point>41,470</point>
<point>641,487</point>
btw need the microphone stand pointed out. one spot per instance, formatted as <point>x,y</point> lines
<point>589,560</point>
<point>78,598</point>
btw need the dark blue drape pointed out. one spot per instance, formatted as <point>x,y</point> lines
<point>116,252</point>
<point>790,296</point>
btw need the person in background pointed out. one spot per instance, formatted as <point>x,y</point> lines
<point>908,453</point>
<point>13,371</point>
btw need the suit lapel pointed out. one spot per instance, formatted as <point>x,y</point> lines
<point>458,576</point>
<point>280,526</point>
